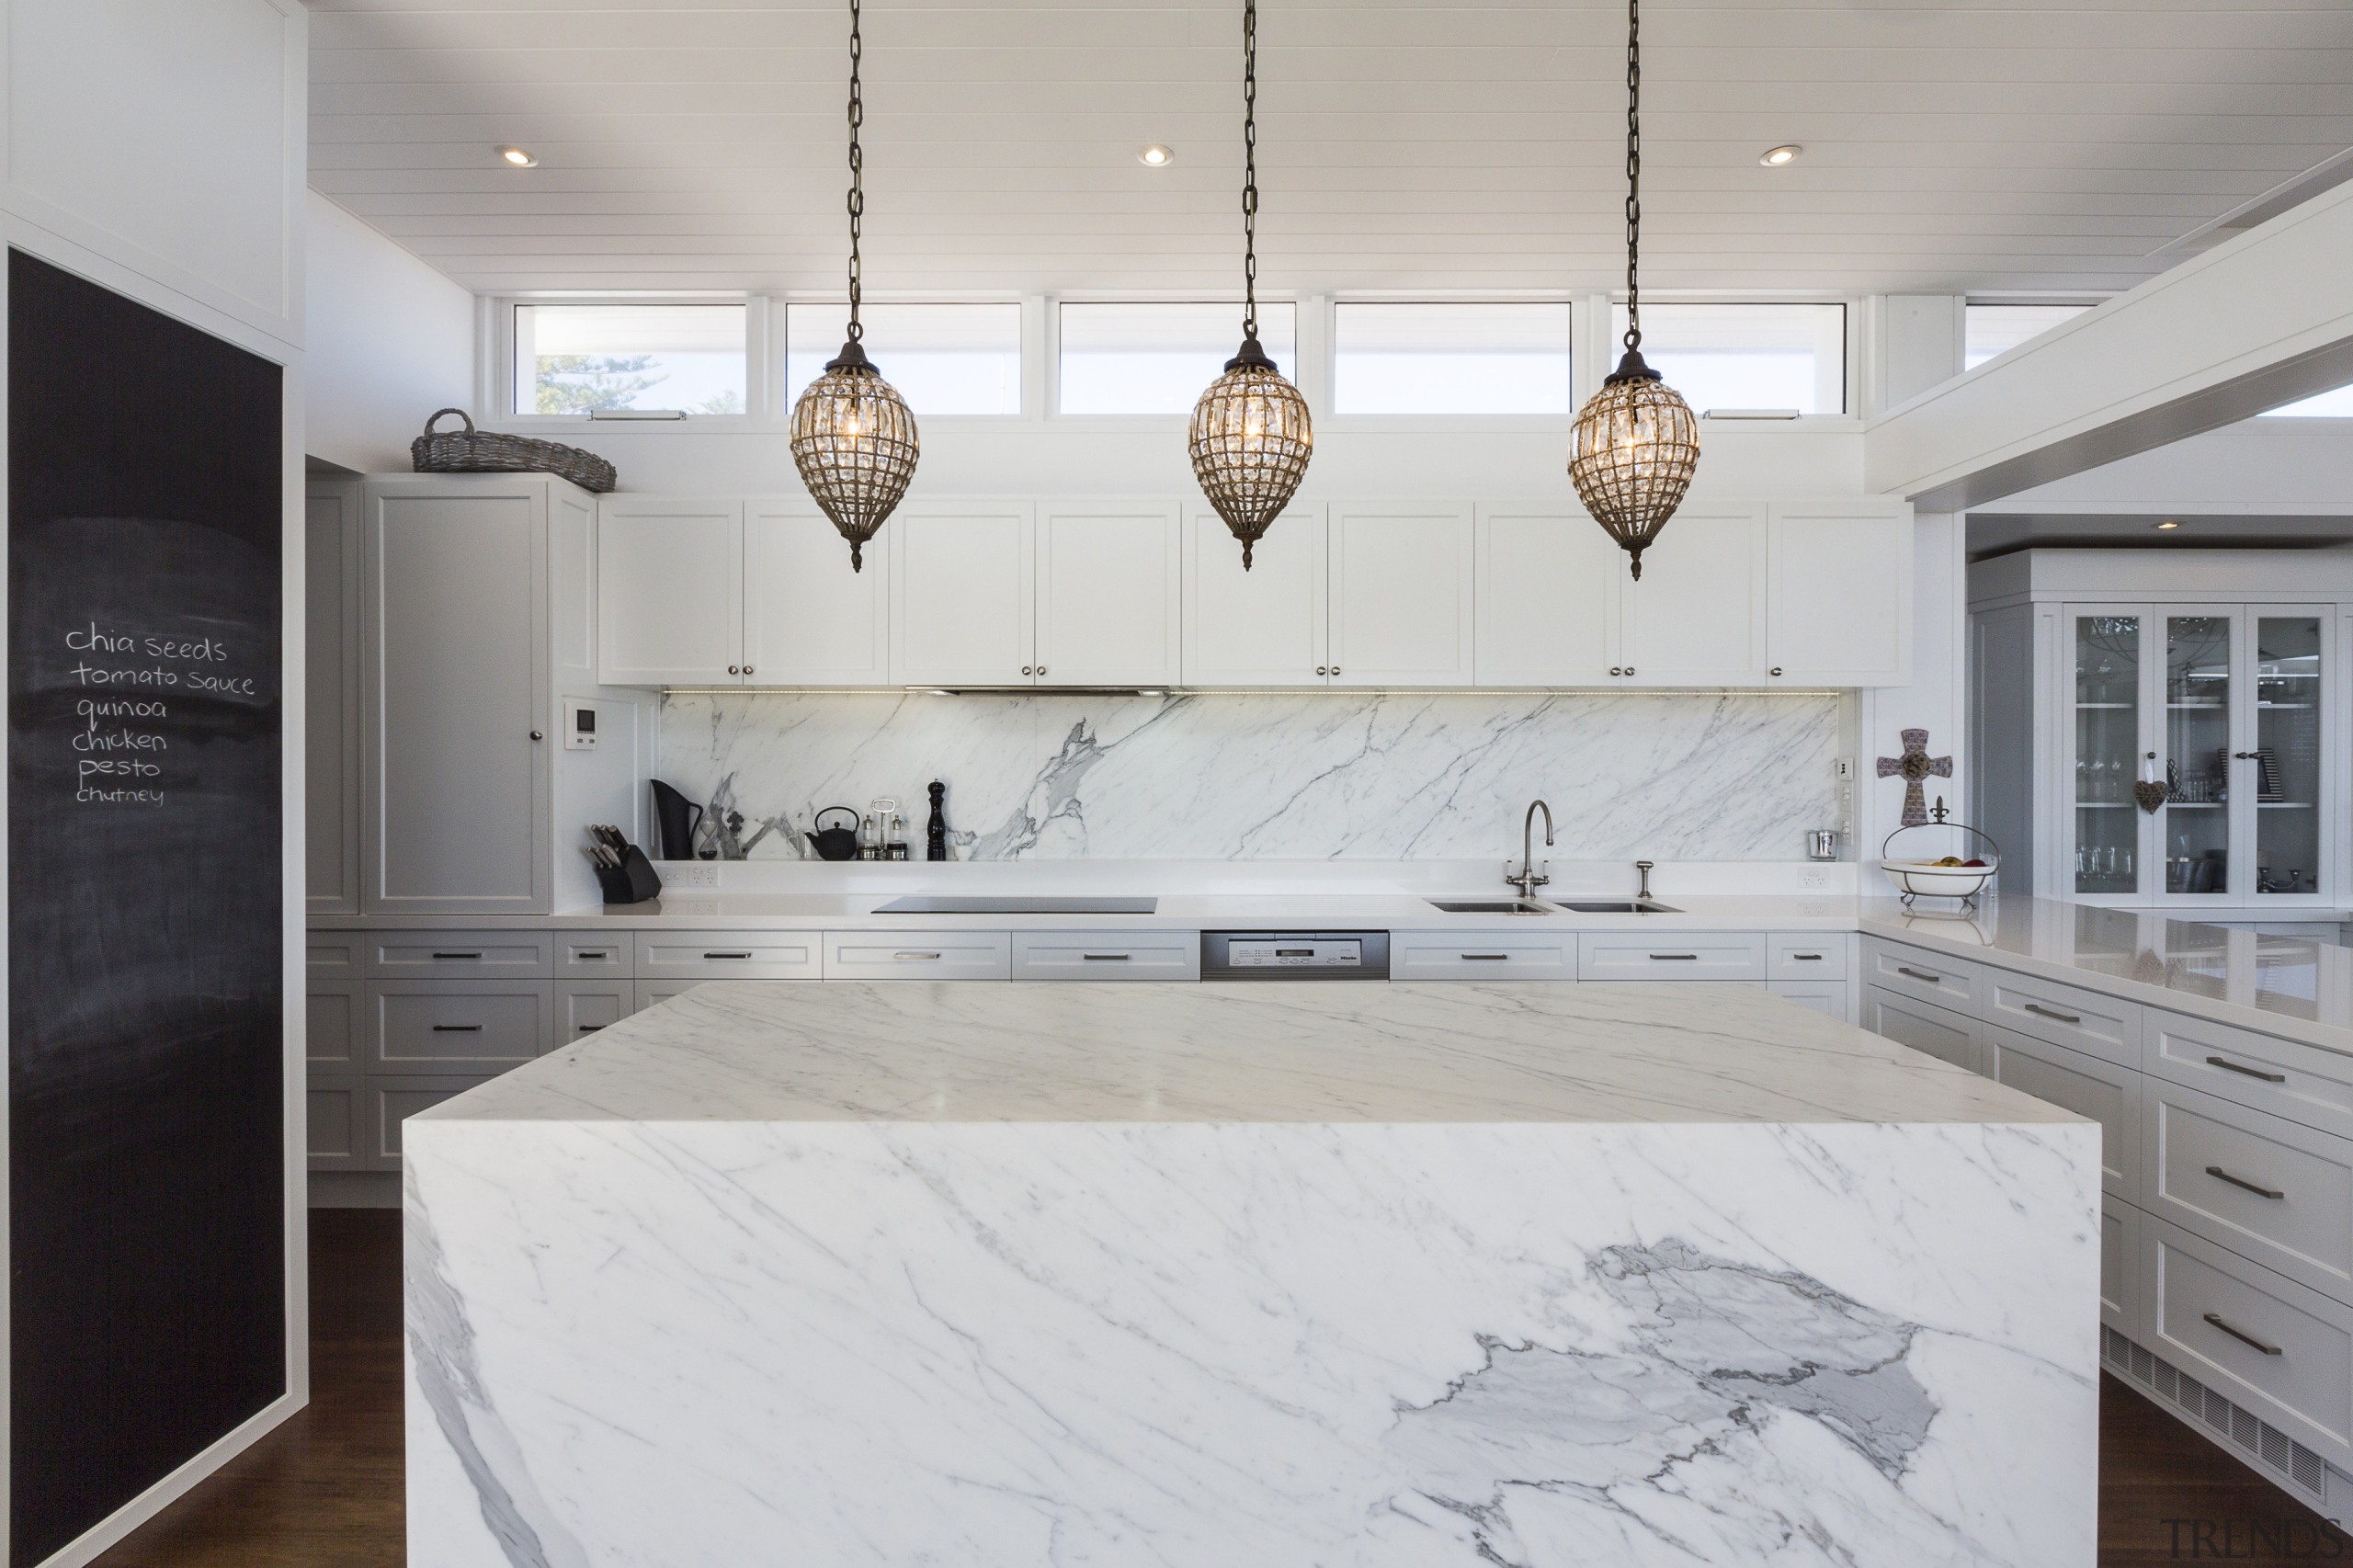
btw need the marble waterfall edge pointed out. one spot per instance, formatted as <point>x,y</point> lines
<point>1722,776</point>
<point>1004,1345</point>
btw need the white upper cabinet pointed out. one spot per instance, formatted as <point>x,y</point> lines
<point>671,608</point>
<point>1547,597</point>
<point>1838,609</point>
<point>1400,595</point>
<point>1108,605</point>
<point>808,618</point>
<point>1696,617</point>
<point>1262,627</point>
<point>962,594</point>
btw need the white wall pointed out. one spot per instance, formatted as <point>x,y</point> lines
<point>2263,466</point>
<point>389,341</point>
<point>1936,700</point>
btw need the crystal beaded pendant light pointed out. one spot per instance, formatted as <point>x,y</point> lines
<point>1250,437</point>
<point>853,435</point>
<point>1636,443</point>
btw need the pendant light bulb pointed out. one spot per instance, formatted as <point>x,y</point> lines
<point>1636,444</point>
<point>853,436</point>
<point>1250,437</point>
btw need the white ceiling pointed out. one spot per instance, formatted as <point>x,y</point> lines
<point>2039,146</point>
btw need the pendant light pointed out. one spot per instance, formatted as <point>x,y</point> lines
<point>1636,442</point>
<point>853,436</point>
<point>1250,438</point>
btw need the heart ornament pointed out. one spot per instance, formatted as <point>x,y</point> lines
<point>2152,793</point>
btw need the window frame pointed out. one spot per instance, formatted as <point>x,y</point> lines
<point>496,333</point>
<point>2080,303</point>
<point>1328,331</point>
<point>1032,307</point>
<point>1850,418</point>
<point>1308,349</point>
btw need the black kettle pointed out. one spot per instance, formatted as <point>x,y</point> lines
<point>835,843</point>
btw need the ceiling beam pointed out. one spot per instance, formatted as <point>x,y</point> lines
<point>2263,320</point>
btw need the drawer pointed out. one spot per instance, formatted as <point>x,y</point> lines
<point>2283,1351</point>
<point>584,1006</point>
<point>2088,1085</point>
<point>1678,955</point>
<point>1515,955</point>
<point>488,955</point>
<point>2275,1191</point>
<point>1107,955</point>
<point>1797,956</point>
<point>586,955</point>
<point>918,955</point>
<point>1942,1033</point>
<point>336,955</point>
<point>388,1102</point>
<point>474,1026</point>
<point>2083,1020</point>
<point>1950,983</point>
<point>334,1021</point>
<point>2120,1267</point>
<point>1831,999</point>
<point>653,992</point>
<point>2288,1078</point>
<point>721,955</point>
<point>332,1111</point>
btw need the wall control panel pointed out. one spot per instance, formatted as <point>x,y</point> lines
<point>579,725</point>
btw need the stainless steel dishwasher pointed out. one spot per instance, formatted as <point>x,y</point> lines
<point>1294,955</point>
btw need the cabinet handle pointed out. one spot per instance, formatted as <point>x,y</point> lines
<point>1674,958</point>
<point>1921,974</point>
<point>2219,1174</point>
<point>457,1028</point>
<point>1028,671</point>
<point>2039,1008</point>
<point>747,669</point>
<point>1321,671</point>
<point>590,1028</point>
<point>457,955</point>
<point>1104,958</point>
<point>2243,756</point>
<point>1615,670</point>
<point>1805,958</point>
<point>734,669</point>
<point>592,956</point>
<point>1486,957</point>
<point>2216,1319</point>
<point>1629,669</point>
<point>2249,1071</point>
<point>727,955</point>
<point>1041,669</point>
<point>537,736</point>
<point>1336,669</point>
<point>914,955</point>
<point>1775,670</point>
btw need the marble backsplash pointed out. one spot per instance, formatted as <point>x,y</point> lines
<point>1704,776</point>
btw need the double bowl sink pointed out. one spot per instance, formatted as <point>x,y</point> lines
<point>1536,906</point>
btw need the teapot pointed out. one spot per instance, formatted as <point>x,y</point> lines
<point>835,843</point>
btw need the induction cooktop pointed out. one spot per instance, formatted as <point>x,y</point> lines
<point>1065,904</point>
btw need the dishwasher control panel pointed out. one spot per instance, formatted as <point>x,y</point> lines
<point>1294,955</point>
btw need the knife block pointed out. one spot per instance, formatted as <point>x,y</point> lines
<point>633,882</point>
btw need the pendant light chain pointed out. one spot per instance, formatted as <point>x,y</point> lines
<point>1250,168</point>
<point>1633,173</point>
<point>857,170</point>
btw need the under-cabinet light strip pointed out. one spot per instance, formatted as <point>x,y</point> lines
<point>1170,691</point>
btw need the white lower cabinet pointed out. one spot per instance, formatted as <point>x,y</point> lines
<point>388,1102</point>
<point>1943,1034</point>
<point>2265,1187</point>
<point>1679,955</point>
<point>335,1113</point>
<point>1831,998</point>
<point>918,955</point>
<point>2087,1085</point>
<point>1482,955</point>
<point>584,1006</point>
<point>2120,1267</point>
<point>1107,955</point>
<point>439,1028</point>
<point>730,955</point>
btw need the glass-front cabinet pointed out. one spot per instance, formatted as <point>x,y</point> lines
<point>2195,745</point>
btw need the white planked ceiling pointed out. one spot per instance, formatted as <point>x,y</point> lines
<point>2037,145</point>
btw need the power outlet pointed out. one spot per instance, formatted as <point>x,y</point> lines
<point>1813,879</point>
<point>694,874</point>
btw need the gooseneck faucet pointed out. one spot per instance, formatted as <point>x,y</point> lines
<point>1530,879</point>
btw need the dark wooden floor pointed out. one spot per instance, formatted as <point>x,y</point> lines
<point>324,1491</point>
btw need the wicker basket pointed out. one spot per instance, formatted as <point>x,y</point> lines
<point>475,452</point>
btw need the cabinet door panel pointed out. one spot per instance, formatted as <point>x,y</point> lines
<point>1262,627</point>
<point>1696,615</point>
<point>963,592</point>
<point>456,673</point>
<point>1109,611</point>
<point>1400,595</point>
<point>1857,558</point>
<point>671,591</point>
<point>808,618</point>
<point>331,698</point>
<point>1548,599</point>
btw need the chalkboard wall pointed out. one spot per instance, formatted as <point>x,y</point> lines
<point>146,1222</point>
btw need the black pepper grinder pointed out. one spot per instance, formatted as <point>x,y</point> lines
<point>935,837</point>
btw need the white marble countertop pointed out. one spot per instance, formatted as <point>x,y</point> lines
<point>912,1052</point>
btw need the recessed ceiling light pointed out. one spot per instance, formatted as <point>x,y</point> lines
<point>1155,155</point>
<point>2165,526</point>
<point>1774,157</point>
<point>519,158</point>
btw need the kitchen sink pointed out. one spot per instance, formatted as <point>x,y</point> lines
<point>1620,906</point>
<point>1492,906</point>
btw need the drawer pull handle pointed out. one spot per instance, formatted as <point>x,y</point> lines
<point>727,955</point>
<point>1921,974</point>
<point>2216,1319</point>
<point>2229,1066</point>
<point>1807,958</point>
<point>474,955</point>
<point>1485,958</point>
<point>1106,958</point>
<point>457,1028</point>
<point>914,955</point>
<point>590,1028</point>
<point>2219,1174</point>
<point>592,956</point>
<point>2036,1008</point>
<point>1674,958</point>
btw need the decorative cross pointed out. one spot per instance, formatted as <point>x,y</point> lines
<point>1914,766</point>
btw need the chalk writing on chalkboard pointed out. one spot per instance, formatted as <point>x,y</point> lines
<point>119,755</point>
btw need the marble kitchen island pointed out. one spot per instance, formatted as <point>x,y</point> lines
<point>1232,1275</point>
